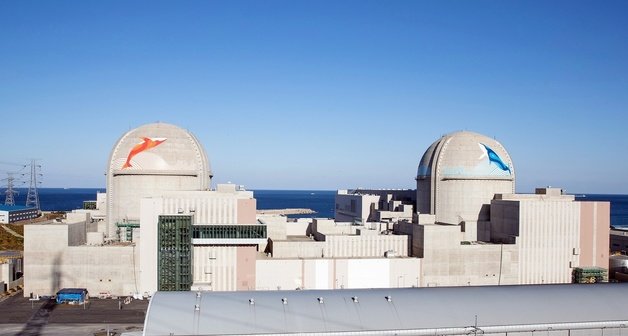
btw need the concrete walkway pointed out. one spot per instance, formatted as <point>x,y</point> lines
<point>11,231</point>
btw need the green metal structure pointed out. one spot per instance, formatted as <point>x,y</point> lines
<point>128,228</point>
<point>89,205</point>
<point>589,275</point>
<point>174,248</point>
<point>229,231</point>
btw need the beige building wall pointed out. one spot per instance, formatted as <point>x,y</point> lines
<point>246,211</point>
<point>364,246</point>
<point>52,260</point>
<point>272,274</point>
<point>546,230</point>
<point>211,207</point>
<point>223,268</point>
<point>594,233</point>
<point>355,207</point>
<point>447,262</point>
<point>277,274</point>
<point>458,201</point>
<point>246,262</point>
<point>323,227</point>
<point>297,248</point>
<point>225,205</point>
<point>151,208</point>
<point>318,273</point>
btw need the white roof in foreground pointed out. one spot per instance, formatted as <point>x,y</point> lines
<point>400,311</point>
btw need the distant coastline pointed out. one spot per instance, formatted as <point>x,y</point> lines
<point>322,202</point>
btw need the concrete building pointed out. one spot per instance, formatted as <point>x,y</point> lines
<point>10,270</point>
<point>146,161</point>
<point>458,176</point>
<point>219,253</point>
<point>13,213</point>
<point>553,233</point>
<point>161,227</point>
<point>471,229</point>
<point>374,205</point>
<point>619,240</point>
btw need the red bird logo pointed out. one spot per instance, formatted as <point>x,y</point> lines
<point>146,144</point>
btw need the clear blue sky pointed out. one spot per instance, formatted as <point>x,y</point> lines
<point>320,94</point>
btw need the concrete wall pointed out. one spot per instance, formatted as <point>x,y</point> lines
<point>302,227</point>
<point>246,211</point>
<point>594,233</point>
<point>447,262</point>
<point>363,205</point>
<point>276,226</point>
<point>6,272</point>
<point>289,274</point>
<point>274,274</point>
<point>55,258</point>
<point>287,249</point>
<point>322,227</point>
<point>547,235</point>
<point>467,200</point>
<point>224,268</point>
<point>210,207</point>
<point>355,207</point>
<point>150,210</point>
<point>110,269</point>
<point>364,246</point>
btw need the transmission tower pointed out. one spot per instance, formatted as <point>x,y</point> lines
<point>9,192</point>
<point>32,198</point>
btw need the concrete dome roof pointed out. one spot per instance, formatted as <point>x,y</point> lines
<point>158,148</point>
<point>466,155</point>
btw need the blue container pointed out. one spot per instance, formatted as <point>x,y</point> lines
<point>72,295</point>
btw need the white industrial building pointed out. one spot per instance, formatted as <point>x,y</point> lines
<point>14,213</point>
<point>575,310</point>
<point>160,227</point>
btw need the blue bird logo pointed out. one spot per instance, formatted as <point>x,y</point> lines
<point>493,157</point>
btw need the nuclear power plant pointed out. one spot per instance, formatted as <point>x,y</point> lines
<point>162,226</point>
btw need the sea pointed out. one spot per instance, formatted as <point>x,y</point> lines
<point>321,201</point>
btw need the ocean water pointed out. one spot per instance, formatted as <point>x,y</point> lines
<point>619,207</point>
<point>321,201</point>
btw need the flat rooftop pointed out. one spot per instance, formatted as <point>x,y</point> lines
<point>15,207</point>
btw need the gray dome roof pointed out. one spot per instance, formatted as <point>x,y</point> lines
<point>464,155</point>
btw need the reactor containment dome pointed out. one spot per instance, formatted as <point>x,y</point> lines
<point>147,161</point>
<point>459,174</point>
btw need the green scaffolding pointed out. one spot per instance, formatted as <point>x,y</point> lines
<point>229,231</point>
<point>174,253</point>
